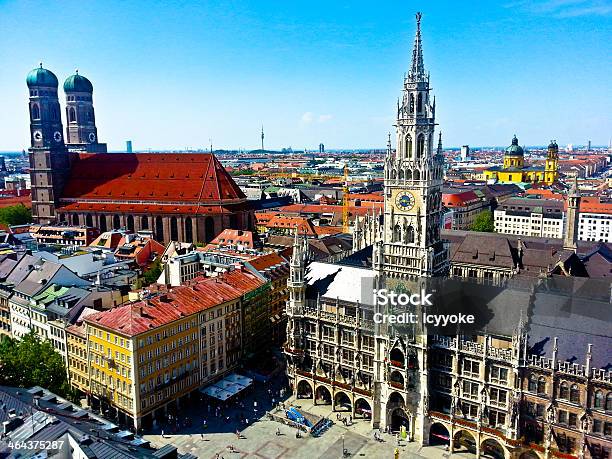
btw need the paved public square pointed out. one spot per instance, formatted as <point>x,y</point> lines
<point>259,438</point>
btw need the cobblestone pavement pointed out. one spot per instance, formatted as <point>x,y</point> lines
<point>259,438</point>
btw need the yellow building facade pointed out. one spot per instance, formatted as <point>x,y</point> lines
<point>514,169</point>
<point>142,361</point>
<point>76,349</point>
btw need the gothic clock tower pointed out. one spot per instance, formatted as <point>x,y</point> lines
<point>413,180</point>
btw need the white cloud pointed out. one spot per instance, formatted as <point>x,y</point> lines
<point>307,118</point>
<point>324,118</point>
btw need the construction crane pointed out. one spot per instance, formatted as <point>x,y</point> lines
<point>345,202</point>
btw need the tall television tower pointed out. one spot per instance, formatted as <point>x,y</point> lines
<point>262,137</point>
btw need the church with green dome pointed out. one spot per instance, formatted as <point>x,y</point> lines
<point>514,169</point>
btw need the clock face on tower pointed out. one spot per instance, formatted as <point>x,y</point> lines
<point>404,200</point>
<point>37,136</point>
<point>91,137</point>
<point>57,136</point>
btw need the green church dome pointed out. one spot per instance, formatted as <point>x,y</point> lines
<point>77,83</point>
<point>41,77</point>
<point>515,149</point>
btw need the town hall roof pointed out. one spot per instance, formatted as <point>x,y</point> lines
<point>147,182</point>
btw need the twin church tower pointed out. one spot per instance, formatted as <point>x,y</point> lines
<point>50,149</point>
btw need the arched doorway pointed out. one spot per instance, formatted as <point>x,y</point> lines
<point>342,402</point>
<point>144,222</point>
<point>75,219</point>
<point>188,230</point>
<point>304,389</point>
<point>116,222</point>
<point>323,396</point>
<point>399,419</point>
<point>438,434</point>
<point>174,229</point>
<point>88,220</point>
<point>464,441</point>
<point>103,225</point>
<point>363,408</point>
<point>209,229</point>
<point>492,448</point>
<point>130,223</point>
<point>159,229</point>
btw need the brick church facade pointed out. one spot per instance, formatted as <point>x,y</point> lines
<point>176,196</point>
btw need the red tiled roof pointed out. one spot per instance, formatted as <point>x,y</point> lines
<point>16,200</point>
<point>197,179</point>
<point>143,208</point>
<point>322,208</point>
<point>459,199</point>
<point>267,261</point>
<point>594,205</point>
<point>202,293</point>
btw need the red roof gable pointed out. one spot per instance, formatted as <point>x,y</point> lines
<point>201,294</point>
<point>151,177</point>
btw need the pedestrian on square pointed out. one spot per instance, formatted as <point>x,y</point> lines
<point>162,433</point>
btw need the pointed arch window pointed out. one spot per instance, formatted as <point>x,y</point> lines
<point>103,225</point>
<point>411,103</point>
<point>574,394</point>
<point>130,223</point>
<point>173,229</point>
<point>71,115</point>
<point>408,146</point>
<point>416,175</point>
<point>420,146</point>
<point>564,391</point>
<point>397,233</point>
<point>420,102</point>
<point>541,385</point>
<point>188,230</point>
<point>598,402</point>
<point>159,228</point>
<point>410,235</point>
<point>35,112</point>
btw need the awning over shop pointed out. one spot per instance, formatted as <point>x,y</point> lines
<point>227,387</point>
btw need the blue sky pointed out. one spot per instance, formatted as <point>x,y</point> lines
<point>176,74</point>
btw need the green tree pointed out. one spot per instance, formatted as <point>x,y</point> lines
<point>15,215</point>
<point>33,362</point>
<point>483,222</point>
<point>152,274</point>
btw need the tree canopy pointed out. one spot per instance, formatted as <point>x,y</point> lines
<point>15,215</point>
<point>33,362</point>
<point>483,222</point>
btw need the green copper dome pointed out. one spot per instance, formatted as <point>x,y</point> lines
<point>41,77</point>
<point>515,149</point>
<point>77,83</point>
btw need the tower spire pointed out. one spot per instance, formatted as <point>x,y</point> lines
<point>417,69</point>
<point>262,137</point>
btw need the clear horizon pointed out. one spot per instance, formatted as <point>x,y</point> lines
<point>171,75</point>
